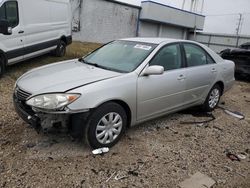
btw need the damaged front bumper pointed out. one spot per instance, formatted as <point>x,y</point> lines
<point>26,113</point>
<point>42,120</point>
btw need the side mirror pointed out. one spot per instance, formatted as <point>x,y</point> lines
<point>5,28</point>
<point>153,70</point>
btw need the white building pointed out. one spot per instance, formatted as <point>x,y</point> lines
<point>106,20</point>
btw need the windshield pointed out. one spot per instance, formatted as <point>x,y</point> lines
<point>120,56</point>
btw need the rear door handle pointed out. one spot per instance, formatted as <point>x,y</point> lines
<point>20,32</point>
<point>181,77</point>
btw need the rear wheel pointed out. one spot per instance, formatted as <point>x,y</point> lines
<point>106,125</point>
<point>213,98</point>
<point>2,65</point>
<point>60,50</point>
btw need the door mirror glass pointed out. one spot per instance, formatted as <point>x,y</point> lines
<point>5,28</point>
<point>153,70</point>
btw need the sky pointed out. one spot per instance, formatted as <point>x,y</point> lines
<point>222,16</point>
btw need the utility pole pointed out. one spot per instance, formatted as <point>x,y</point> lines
<point>239,25</point>
<point>183,4</point>
<point>238,29</point>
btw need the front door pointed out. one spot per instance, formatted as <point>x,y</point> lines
<point>157,94</point>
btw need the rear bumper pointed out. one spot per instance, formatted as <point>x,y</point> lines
<point>26,114</point>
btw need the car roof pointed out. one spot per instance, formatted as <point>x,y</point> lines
<point>152,40</point>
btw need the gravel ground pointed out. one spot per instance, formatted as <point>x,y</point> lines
<point>159,153</point>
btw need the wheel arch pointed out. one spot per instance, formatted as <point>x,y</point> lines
<point>221,84</point>
<point>63,38</point>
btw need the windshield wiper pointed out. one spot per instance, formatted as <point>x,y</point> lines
<point>93,64</point>
<point>98,66</point>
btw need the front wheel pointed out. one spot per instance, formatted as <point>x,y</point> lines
<point>213,98</point>
<point>106,125</point>
<point>60,50</point>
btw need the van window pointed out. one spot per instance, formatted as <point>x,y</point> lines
<point>9,12</point>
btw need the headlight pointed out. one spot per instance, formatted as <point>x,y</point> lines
<point>54,101</point>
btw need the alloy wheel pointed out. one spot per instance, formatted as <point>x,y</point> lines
<point>214,98</point>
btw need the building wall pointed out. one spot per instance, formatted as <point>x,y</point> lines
<point>106,20</point>
<point>148,29</point>
<point>219,42</point>
<point>102,21</point>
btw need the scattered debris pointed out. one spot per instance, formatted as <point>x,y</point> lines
<point>100,151</point>
<point>111,176</point>
<point>242,156</point>
<point>233,113</point>
<point>30,145</point>
<point>231,156</point>
<point>218,128</point>
<point>93,170</point>
<point>171,129</point>
<point>229,169</point>
<point>120,176</point>
<point>198,180</point>
<point>200,123</point>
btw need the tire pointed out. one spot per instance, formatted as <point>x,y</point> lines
<point>60,50</point>
<point>100,119</point>
<point>213,98</point>
<point>2,66</point>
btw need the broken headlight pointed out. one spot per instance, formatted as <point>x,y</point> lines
<point>53,101</point>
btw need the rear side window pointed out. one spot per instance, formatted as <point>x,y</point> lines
<point>9,12</point>
<point>169,57</point>
<point>196,56</point>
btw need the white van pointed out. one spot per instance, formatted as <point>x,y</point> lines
<point>30,28</point>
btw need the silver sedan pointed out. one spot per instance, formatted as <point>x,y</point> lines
<point>121,84</point>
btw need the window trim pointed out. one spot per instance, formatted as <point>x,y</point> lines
<point>17,7</point>
<point>202,49</point>
<point>166,45</point>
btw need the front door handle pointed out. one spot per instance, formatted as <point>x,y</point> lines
<point>181,77</point>
<point>213,70</point>
<point>20,32</point>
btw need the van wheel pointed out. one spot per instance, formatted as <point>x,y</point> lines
<point>106,125</point>
<point>2,66</point>
<point>213,98</point>
<point>61,49</point>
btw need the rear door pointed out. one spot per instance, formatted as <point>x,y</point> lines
<point>157,94</point>
<point>201,72</point>
<point>13,44</point>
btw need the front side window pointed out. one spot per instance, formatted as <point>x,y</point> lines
<point>195,56</point>
<point>169,57</point>
<point>120,56</point>
<point>9,12</point>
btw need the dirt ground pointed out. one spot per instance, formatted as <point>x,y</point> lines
<point>159,153</point>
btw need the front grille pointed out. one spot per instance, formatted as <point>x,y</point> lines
<point>21,94</point>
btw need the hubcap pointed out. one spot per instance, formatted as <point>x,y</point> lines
<point>109,128</point>
<point>214,98</point>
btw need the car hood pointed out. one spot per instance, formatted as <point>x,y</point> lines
<point>62,76</point>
